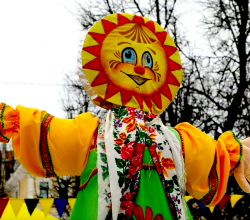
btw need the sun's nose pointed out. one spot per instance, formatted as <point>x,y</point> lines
<point>139,69</point>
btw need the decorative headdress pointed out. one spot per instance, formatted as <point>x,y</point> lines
<point>129,60</point>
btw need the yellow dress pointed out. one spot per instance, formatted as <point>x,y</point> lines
<point>48,146</point>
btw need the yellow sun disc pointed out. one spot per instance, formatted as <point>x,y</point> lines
<point>131,61</point>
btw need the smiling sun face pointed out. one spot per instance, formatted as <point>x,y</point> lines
<point>131,61</point>
<point>134,66</point>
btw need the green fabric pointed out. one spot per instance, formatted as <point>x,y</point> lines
<point>151,192</point>
<point>86,205</point>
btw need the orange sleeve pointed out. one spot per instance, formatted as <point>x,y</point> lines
<point>208,163</point>
<point>47,146</point>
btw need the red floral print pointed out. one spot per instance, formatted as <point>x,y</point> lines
<point>127,204</point>
<point>127,150</point>
<point>138,212</point>
<point>151,130</point>
<point>118,141</point>
<point>136,160</point>
<point>123,136</point>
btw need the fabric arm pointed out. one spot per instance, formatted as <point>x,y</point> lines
<point>47,146</point>
<point>208,163</point>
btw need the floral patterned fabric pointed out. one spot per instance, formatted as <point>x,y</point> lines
<point>121,141</point>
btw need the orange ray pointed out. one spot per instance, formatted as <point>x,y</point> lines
<point>100,79</point>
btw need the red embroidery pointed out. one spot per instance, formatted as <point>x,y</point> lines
<point>213,185</point>
<point>44,148</point>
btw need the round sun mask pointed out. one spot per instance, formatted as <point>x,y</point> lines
<point>131,61</point>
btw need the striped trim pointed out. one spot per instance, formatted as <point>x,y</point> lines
<point>94,139</point>
<point>213,185</point>
<point>241,149</point>
<point>44,146</point>
<point>94,172</point>
<point>182,143</point>
<point>2,137</point>
<point>148,166</point>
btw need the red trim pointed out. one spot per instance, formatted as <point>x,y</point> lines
<point>182,143</point>
<point>94,139</point>
<point>44,148</point>
<point>213,185</point>
<point>94,171</point>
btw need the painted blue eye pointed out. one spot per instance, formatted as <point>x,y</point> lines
<point>147,60</point>
<point>129,56</point>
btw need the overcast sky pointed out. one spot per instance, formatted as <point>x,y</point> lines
<point>39,41</point>
<point>38,44</point>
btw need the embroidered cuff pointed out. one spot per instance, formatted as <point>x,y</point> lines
<point>9,122</point>
<point>234,148</point>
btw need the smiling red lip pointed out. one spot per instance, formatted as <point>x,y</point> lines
<point>137,79</point>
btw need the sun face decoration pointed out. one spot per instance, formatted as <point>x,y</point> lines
<point>131,61</point>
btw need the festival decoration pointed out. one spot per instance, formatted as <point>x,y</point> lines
<point>224,201</point>
<point>31,204</point>
<point>46,205</point>
<point>234,199</point>
<point>71,202</point>
<point>16,205</point>
<point>60,205</point>
<point>211,208</point>
<point>3,204</point>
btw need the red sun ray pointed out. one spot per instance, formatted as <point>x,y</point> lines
<point>138,19</point>
<point>111,90</point>
<point>99,38</point>
<point>161,36</point>
<point>125,97</point>
<point>100,79</point>
<point>139,99</point>
<point>171,79</point>
<point>122,20</point>
<point>169,50</point>
<point>166,92</point>
<point>94,50</point>
<point>94,64</point>
<point>108,26</point>
<point>148,102</point>
<point>173,65</point>
<point>150,25</point>
<point>157,100</point>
